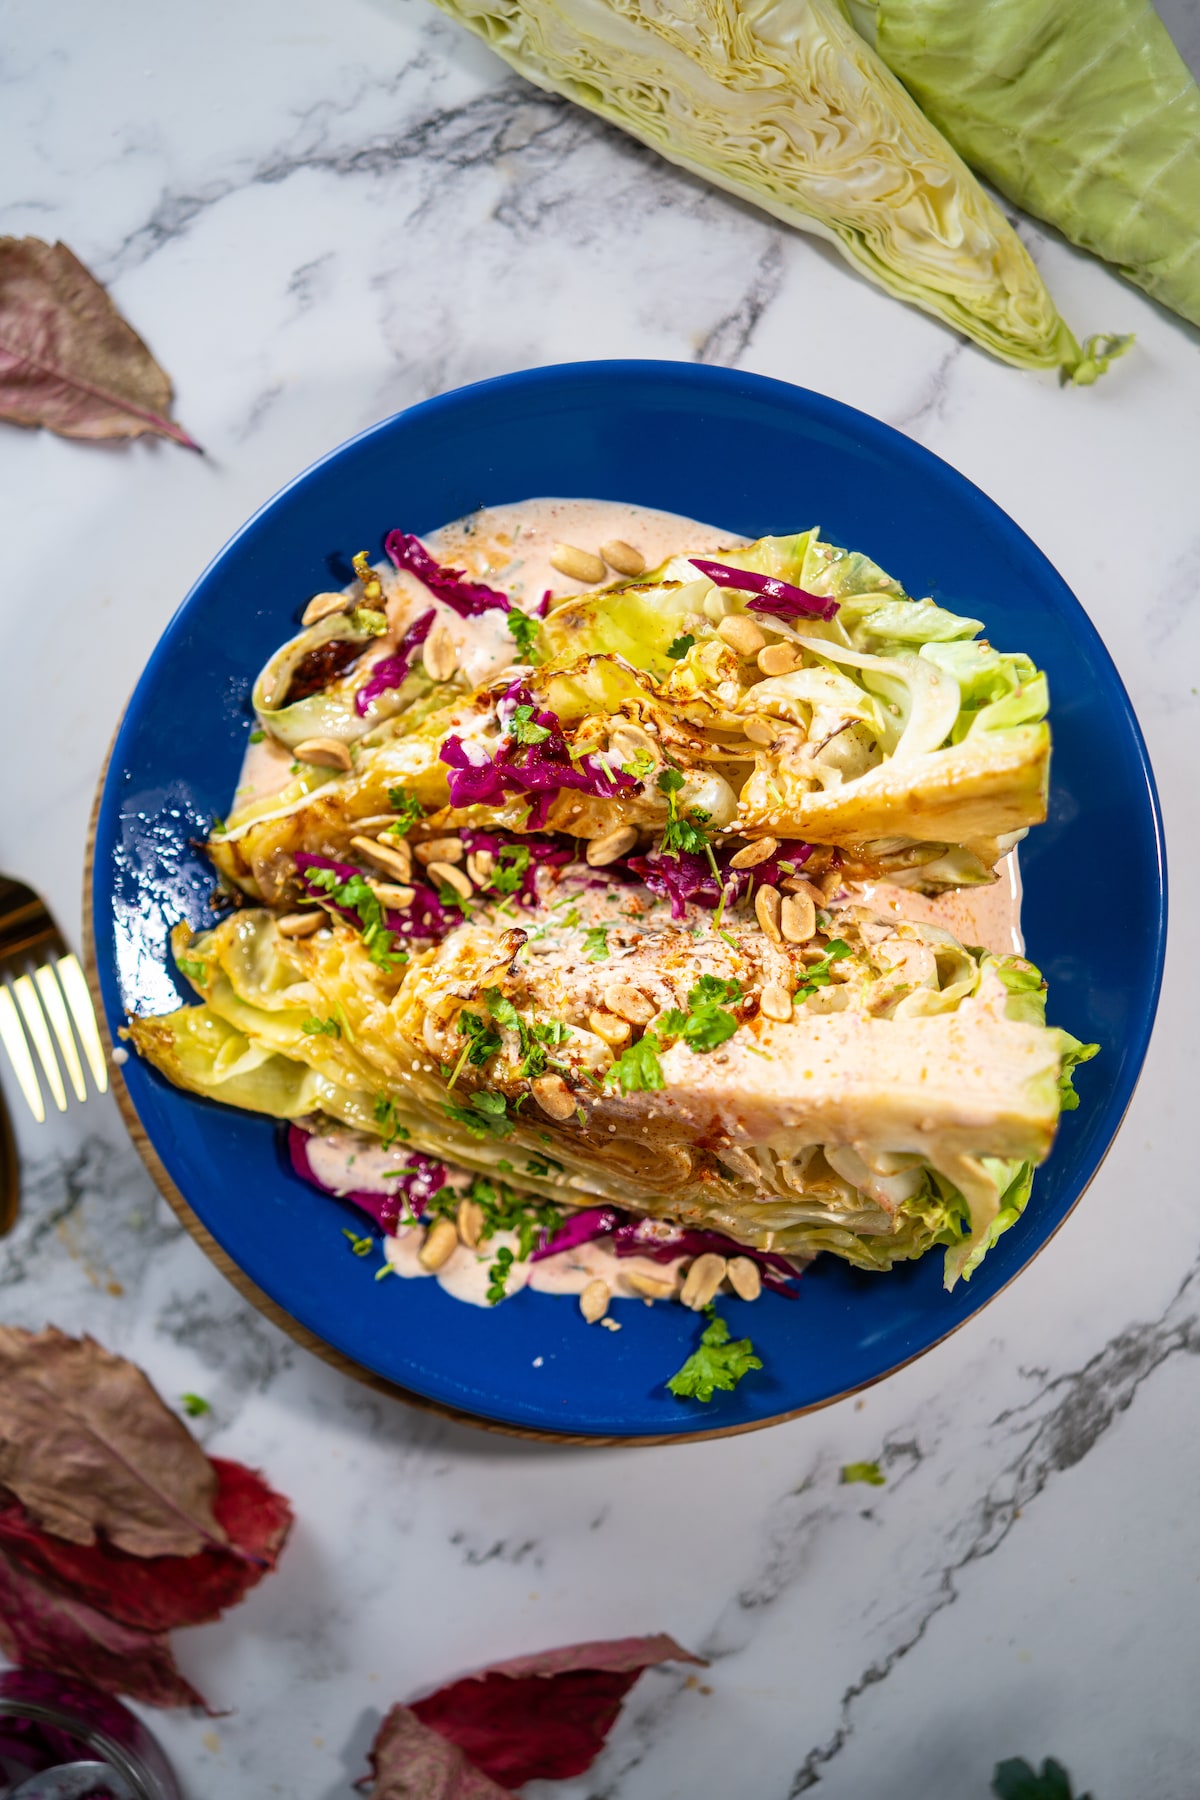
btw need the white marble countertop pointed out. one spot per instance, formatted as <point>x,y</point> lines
<point>317,213</point>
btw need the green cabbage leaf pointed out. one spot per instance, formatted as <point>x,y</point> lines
<point>1084,114</point>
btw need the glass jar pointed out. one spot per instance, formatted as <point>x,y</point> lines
<point>47,1720</point>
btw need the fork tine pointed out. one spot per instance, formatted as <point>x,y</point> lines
<point>56,1012</point>
<point>75,987</point>
<point>35,1024</point>
<point>13,1039</point>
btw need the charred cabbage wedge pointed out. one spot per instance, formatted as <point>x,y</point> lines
<point>784,104</point>
<point>903,1106</point>
<point>1085,115</point>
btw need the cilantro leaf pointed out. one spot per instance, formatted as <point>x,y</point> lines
<point>818,975</point>
<point>670,781</point>
<point>681,646</point>
<point>706,1025</point>
<point>482,1041</point>
<point>718,1362</point>
<point>409,810</point>
<point>194,1405</point>
<point>870,1472</point>
<point>256,737</point>
<point>637,1068</point>
<point>321,1028</point>
<point>524,632</point>
<point>525,729</point>
<point>502,1009</point>
<point>595,943</point>
<point>389,1126</point>
<point>1016,1780</point>
<point>715,989</point>
<point>512,861</point>
<point>357,896</point>
<point>499,1273</point>
<point>639,765</point>
<point>195,971</point>
<point>484,1115</point>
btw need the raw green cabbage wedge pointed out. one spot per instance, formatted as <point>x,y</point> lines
<point>782,103</point>
<point>1082,111</point>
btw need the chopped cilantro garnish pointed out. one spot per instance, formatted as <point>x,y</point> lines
<point>706,1024</point>
<point>195,971</point>
<point>637,1068</point>
<point>389,1126</point>
<point>718,1362</point>
<point>681,646</point>
<point>218,823</point>
<point>512,860</point>
<point>358,897</point>
<point>361,1246</point>
<point>256,737</point>
<point>681,833</point>
<point>639,765</point>
<point>409,811</point>
<point>870,1472</point>
<point>525,729</point>
<point>595,943</point>
<point>818,976</point>
<point>482,1041</point>
<point>499,1273</point>
<point>524,633</point>
<point>194,1405</point>
<point>540,1166</point>
<point>484,1115</point>
<point>502,1009</point>
<point>366,619</point>
<point>321,1028</point>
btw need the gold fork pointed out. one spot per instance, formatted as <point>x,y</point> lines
<point>42,993</point>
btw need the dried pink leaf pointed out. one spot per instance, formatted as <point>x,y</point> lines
<point>41,1628</point>
<point>544,1717</point>
<point>87,1446</point>
<point>411,1762</point>
<point>68,360</point>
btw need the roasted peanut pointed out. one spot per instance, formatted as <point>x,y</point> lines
<point>593,1302</point>
<point>703,1279</point>
<point>440,653</point>
<point>553,1096</point>
<point>301,924</point>
<point>323,606</point>
<point>446,873</point>
<point>750,855</point>
<point>324,753</point>
<point>392,859</point>
<point>606,1025</point>
<point>744,1277</point>
<point>623,557</point>
<point>775,1003</point>
<point>797,918</point>
<point>441,1241</point>
<point>613,844</point>
<point>778,659</point>
<point>628,1002</point>
<point>470,1222</point>
<point>440,849</point>
<point>580,565</point>
<point>741,634</point>
<point>767,906</point>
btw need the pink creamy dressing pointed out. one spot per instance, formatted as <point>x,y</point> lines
<point>510,548</point>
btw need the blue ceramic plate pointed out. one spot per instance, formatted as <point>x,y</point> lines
<point>753,456</point>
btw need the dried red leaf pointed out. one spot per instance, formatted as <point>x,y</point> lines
<point>544,1717</point>
<point>411,1762</point>
<point>87,1445</point>
<point>68,360</point>
<point>42,1628</point>
<point>159,1593</point>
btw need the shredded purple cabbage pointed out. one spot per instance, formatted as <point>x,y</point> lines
<point>542,769</point>
<point>662,1242</point>
<point>543,605</point>
<point>776,599</point>
<point>390,671</point>
<point>677,876</point>
<point>405,1202</point>
<point>580,1228</point>
<point>468,598</point>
